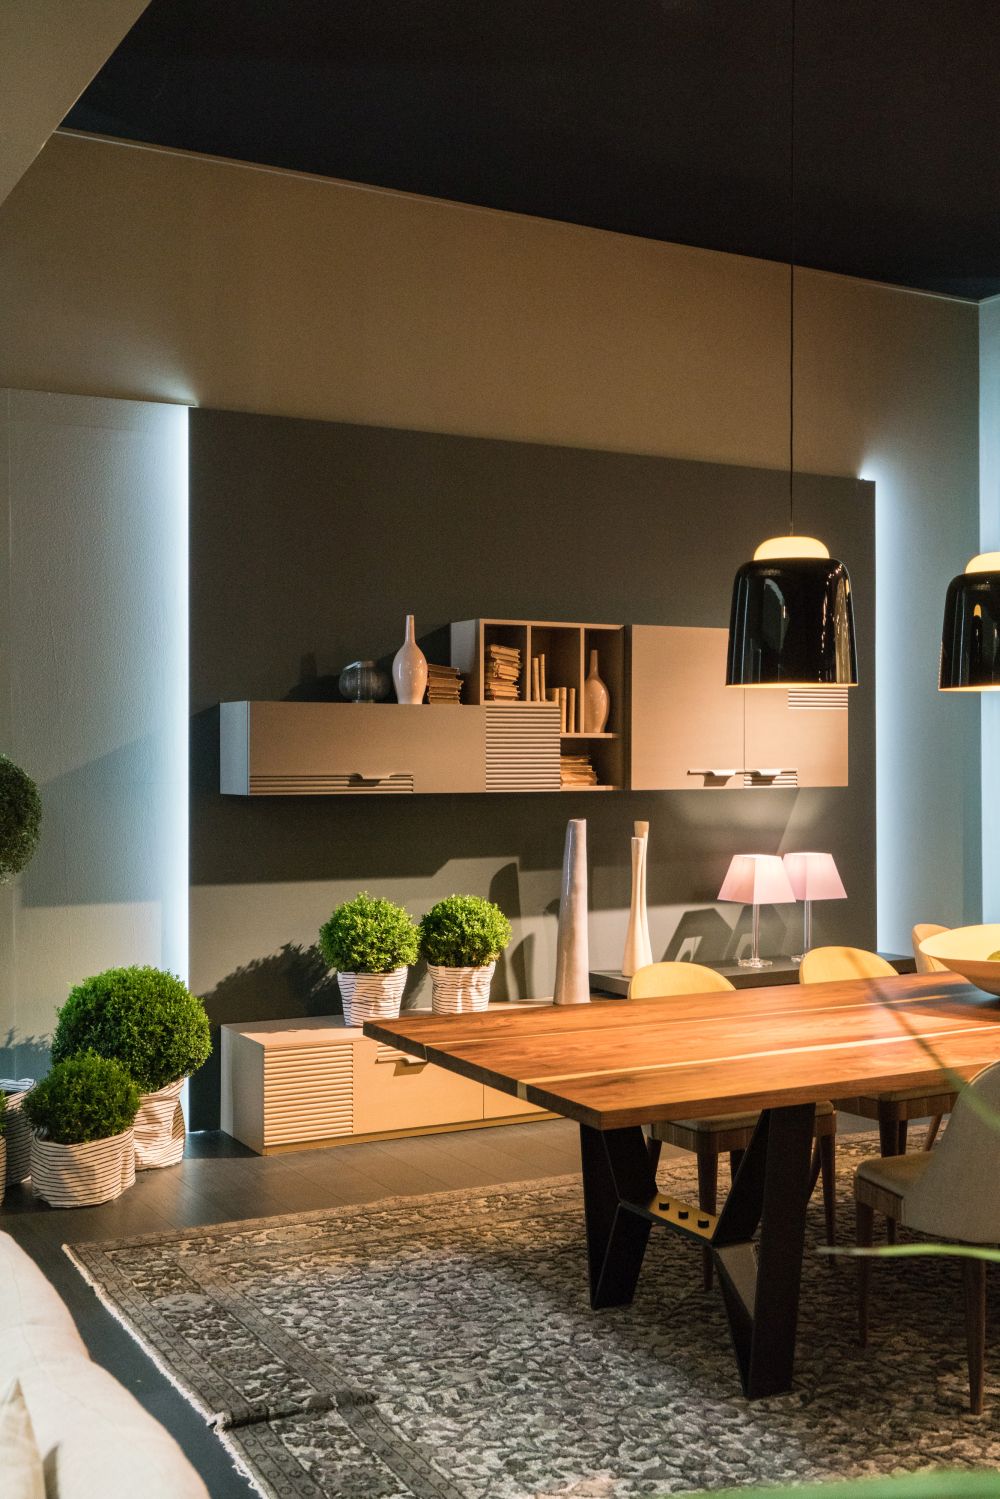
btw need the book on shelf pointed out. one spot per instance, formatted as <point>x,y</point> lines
<point>576,770</point>
<point>502,673</point>
<point>444,684</point>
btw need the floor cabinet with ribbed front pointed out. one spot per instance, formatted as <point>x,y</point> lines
<point>299,1084</point>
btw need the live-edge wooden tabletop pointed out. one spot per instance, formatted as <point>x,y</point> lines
<point>611,1063</point>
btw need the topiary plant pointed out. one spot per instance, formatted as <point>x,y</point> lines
<point>142,1017</point>
<point>83,1098</point>
<point>368,935</point>
<point>20,818</point>
<point>463,931</point>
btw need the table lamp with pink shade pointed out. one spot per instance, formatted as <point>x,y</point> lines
<point>756,880</point>
<point>812,877</point>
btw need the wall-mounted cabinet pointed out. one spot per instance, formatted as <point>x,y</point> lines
<point>358,749</point>
<point>690,731</point>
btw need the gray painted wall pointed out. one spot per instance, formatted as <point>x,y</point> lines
<point>311,540</point>
<point>93,692</point>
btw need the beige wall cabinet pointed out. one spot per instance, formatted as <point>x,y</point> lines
<point>293,1085</point>
<point>690,731</point>
<point>324,749</point>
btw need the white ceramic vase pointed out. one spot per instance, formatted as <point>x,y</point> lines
<point>81,1176</point>
<point>572,986</point>
<point>596,700</point>
<point>638,950</point>
<point>371,996</point>
<point>409,668</point>
<point>159,1128</point>
<point>460,991</point>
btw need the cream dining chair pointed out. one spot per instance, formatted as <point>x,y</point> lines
<point>709,1138</point>
<point>823,965</point>
<point>942,1193</point>
<point>925,964</point>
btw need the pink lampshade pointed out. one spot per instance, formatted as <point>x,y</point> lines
<point>814,877</point>
<point>757,880</point>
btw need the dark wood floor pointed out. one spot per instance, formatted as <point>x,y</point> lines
<point>219,1180</point>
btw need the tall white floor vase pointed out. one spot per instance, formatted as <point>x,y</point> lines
<point>638,950</point>
<point>572,986</point>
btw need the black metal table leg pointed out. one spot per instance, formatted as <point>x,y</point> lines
<point>761,1288</point>
<point>618,1178</point>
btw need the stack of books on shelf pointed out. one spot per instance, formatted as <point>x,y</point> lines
<point>444,684</point>
<point>576,770</point>
<point>502,673</point>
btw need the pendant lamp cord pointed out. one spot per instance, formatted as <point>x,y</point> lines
<point>791,282</point>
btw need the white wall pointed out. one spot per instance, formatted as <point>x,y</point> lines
<point>94,688</point>
<point>159,276</point>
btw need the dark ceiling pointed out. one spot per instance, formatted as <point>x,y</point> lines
<point>663,118</point>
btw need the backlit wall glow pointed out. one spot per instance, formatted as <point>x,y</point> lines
<point>95,695</point>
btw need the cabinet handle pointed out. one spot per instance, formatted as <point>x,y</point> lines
<point>374,777</point>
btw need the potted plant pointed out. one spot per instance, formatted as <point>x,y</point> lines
<point>20,819</point>
<point>3,1142</point>
<point>83,1146</point>
<point>150,1022</point>
<point>461,938</point>
<point>370,943</point>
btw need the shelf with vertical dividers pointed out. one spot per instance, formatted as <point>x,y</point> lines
<point>565,647</point>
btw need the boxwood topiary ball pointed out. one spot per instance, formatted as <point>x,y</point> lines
<point>20,818</point>
<point>83,1098</point>
<point>142,1017</point>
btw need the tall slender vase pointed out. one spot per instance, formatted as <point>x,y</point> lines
<point>572,986</point>
<point>638,949</point>
<point>409,668</point>
<point>596,700</point>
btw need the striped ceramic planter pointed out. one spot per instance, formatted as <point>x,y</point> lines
<point>371,996</point>
<point>80,1176</point>
<point>459,991</point>
<point>18,1140</point>
<point>159,1128</point>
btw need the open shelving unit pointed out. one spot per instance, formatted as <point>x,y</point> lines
<point>566,647</point>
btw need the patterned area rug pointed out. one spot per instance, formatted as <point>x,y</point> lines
<point>443,1347</point>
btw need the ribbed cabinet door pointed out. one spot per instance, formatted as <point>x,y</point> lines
<point>308,1093</point>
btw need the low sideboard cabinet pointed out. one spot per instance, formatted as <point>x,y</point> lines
<point>301,1084</point>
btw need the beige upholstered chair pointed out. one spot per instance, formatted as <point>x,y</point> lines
<point>920,933</point>
<point>892,1110</point>
<point>942,1192</point>
<point>928,965</point>
<point>708,1138</point>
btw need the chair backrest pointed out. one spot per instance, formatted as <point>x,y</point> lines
<point>675,978</point>
<point>955,1196</point>
<point>826,965</point>
<point>924,963</point>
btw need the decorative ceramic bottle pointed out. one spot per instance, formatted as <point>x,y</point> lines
<point>409,668</point>
<point>572,986</point>
<point>596,700</point>
<point>638,951</point>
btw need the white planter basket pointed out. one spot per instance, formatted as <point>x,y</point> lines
<point>18,1140</point>
<point>460,991</point>
<point>80,1176</point>
<point>159,1128</point>
<point>371,996</point>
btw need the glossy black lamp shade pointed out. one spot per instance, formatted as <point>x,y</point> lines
<point>970,636</point>
<point>792,623</point>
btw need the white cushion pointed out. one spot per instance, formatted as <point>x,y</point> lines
<point>23,1476</point>
<point>96,1440</point>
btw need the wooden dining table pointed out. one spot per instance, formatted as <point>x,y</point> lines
<point>614,1066</point>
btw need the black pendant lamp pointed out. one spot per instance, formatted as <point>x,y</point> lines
<point>792,619</point>
<point>970,637</point>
